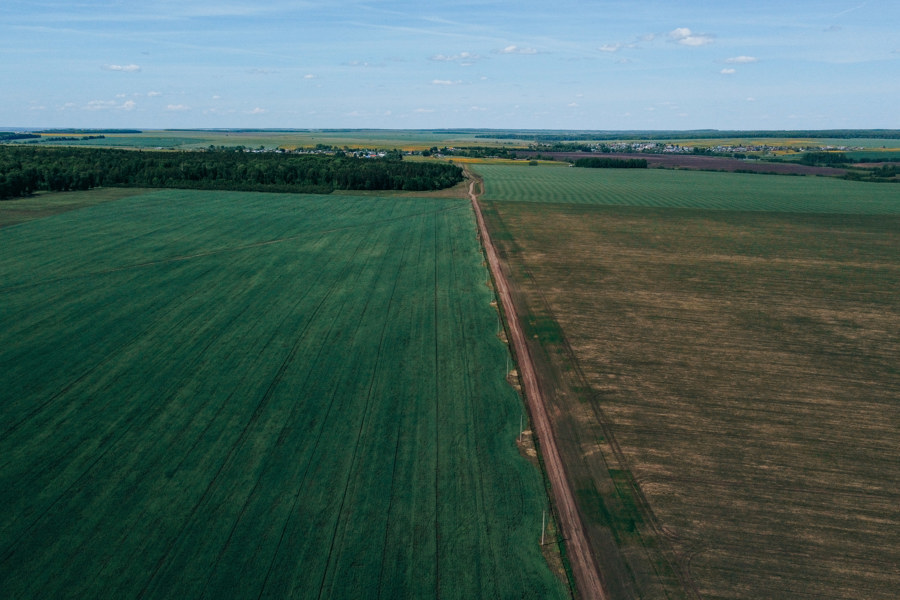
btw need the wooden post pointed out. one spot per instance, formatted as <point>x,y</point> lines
<point>543,525</point>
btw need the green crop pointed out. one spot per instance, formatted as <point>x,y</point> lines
<point>243,395</point>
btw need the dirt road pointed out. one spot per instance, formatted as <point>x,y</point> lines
<point>584,568</point>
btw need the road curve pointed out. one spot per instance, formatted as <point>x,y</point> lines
<point>584,568</point>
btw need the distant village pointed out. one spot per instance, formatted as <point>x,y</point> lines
<point>663,148</point>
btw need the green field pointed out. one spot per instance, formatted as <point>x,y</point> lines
<point>353,138</point>
<point>686,189</point>
<point>212,394</point>
<point>724,382</point>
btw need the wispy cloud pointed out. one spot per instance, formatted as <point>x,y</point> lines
<point>257,111</point>
<point>107,105</point>
<point>686,37</point>
<point>611,47</point>
<point>741,60</point>
<point>513,49</point>
<point>728,71</point>
<point>177,108</point>
<point>122,68</point>
<point>463,58</point>
<point>445,82</point>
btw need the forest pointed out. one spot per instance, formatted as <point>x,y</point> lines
<point>25,170</point>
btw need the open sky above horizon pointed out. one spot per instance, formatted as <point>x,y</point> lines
<point>570,64</point>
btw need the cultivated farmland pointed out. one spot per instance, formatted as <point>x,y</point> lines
<point>686,189</point>
<point>211,394</point>
<point>720,352</point>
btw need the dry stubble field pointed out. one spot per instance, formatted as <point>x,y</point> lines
<point>726,386</point>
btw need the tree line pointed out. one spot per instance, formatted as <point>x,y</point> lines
<point>597,162</point>
<point>24,170</point>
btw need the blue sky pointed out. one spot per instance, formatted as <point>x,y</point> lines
<point>554,64</point>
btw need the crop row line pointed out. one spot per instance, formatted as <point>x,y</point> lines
<point>366,410</point>
<point>231,451</point>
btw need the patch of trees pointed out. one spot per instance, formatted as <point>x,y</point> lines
<point>8,136</point>
<point>88,131</point>
<point>69,138</point>
<point>611,163</point>
<point>823,159</point>
<point>886,173</point>
<point>27,169</point>
<point>473,152</point>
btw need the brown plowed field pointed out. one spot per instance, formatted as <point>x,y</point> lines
<point>723,389</point>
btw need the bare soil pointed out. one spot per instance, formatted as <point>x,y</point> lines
<point>723,390</point>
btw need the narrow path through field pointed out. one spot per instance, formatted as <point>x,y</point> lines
<point>584,568</point>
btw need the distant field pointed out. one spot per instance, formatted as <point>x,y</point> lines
<point>410,139</point>
<point>135,141</point>
<point>364,138</point>
<point>686,189</point>
<point>249,395</point>
<point>725,381</point>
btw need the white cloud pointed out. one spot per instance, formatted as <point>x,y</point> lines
<point>309,76</point>
<point>122,68</point>
<point>572,105</point>
<point>153,94</point>
<point>611,47</point>
<point>742,60</point>
<point>477,108</point>
<point>751,99</point>
<point>177,107</point>
<point>108,105</point>
<point>424,110</point>
<point>513,49</point>
<point>463,58</point>
<point>258,111</point>
<point>686,37</point>
<point>445,82</point>
<point>100,104</point>
<point>728,71</point>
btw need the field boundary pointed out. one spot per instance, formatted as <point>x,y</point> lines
<point>584,567</point>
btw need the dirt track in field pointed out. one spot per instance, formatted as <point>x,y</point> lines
<point>584,567</point>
